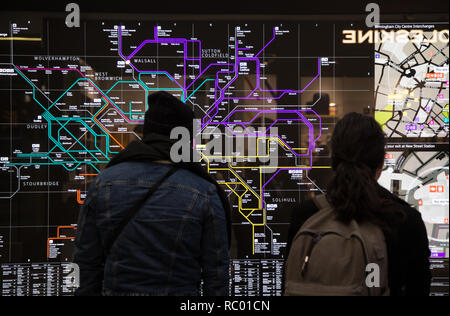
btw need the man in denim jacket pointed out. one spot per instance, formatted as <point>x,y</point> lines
<point>179,236</point>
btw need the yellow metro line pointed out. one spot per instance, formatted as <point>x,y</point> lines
<point>245,185</point>
<point>28,39</point>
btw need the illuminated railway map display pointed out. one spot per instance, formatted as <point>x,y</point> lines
<point>73,98</point>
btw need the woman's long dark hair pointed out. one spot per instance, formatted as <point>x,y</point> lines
<point>358,151</point>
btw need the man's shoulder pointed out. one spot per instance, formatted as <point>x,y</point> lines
<point>188,179</point>
<point>137,171</point>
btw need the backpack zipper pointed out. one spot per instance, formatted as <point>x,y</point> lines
<point>316,239</point>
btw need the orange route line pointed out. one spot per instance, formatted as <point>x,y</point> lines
<point>59,227</point>
<point>58,238</point>
<point>107,103</point>
<point>79,200</point>
<point>88,174</point>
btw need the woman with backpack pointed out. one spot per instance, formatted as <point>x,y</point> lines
<point>359,239</point>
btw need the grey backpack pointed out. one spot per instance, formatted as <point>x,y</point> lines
<point>330,258</point>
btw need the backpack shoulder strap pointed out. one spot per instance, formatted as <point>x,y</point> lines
<point>321,201</point>
<point>133,211</point>
<point>316,222</point>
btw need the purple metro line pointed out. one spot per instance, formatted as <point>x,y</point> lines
<point>249,97</point>
<point>226,121</point>
<point>300,127</point>
<point>214,108</point>
<point>302,119</point>
<point>183,41</point>
<point>158,40</point>
<point>219,93</point>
